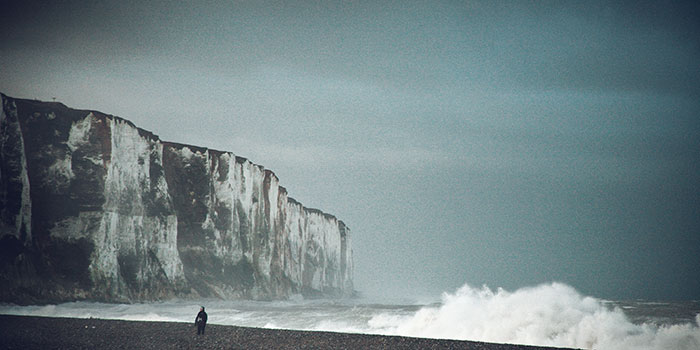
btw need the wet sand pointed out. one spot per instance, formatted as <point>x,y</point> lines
<point>25,332</point>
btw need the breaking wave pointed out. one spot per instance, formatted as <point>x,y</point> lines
<point>547,315</point>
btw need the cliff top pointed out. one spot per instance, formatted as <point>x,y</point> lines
<point>63,111</point>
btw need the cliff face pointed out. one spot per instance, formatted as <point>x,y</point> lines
<point>92,207</point>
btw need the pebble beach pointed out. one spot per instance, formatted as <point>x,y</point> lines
<point>27,332</point>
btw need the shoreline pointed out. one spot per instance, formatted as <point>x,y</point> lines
<point>35,332</point>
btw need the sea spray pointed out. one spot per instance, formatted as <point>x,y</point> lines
<point>549,315</point>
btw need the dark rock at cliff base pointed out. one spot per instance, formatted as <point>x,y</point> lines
<point>94,208</point>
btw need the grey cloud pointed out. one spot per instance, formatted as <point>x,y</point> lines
<point>457,138</point>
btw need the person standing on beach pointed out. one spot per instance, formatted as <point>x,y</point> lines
<point>201,321</point>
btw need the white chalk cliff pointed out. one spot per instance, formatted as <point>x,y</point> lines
<point>94,208</point>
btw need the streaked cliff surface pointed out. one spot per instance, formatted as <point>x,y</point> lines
<point>93,207</point>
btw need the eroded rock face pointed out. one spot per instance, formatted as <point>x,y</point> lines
<point>92,207</point>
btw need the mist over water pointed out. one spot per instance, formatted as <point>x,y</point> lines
<point>552,314</point>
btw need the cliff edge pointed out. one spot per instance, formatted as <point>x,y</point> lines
<point>94,208</point>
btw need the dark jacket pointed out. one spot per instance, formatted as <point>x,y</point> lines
<point>201,317</point>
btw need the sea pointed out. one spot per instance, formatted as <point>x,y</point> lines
<point>552,314</point>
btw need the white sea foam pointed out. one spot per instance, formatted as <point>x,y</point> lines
<point>549,315</point>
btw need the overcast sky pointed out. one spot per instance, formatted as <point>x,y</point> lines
<point>482,142</point>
